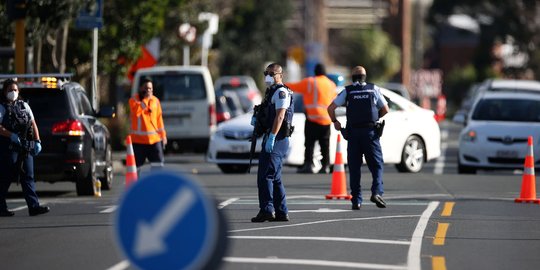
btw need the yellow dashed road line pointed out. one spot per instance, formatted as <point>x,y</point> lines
<point>447,209</point>
<point>438,263</point>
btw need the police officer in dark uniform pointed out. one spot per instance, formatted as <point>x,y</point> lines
<point>365,105</point>
<point>19,143</point>
<point>279,109</point>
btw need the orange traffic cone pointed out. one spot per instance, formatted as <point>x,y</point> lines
<point>528,183</point>
<point>339,180</point>
<point>131,168</point>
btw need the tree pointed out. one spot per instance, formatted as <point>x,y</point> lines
<point>251,36</point>
<point>498,19</point>
<point>372,49</point>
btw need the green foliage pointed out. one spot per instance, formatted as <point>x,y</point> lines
<point>372,49</point>
<point>252,35</point>
<point>498,19</point>
<point>458,82</point>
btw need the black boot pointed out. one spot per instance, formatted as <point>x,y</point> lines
<point>38,210</point>
<point>263,216</point>
<point>6,213</point>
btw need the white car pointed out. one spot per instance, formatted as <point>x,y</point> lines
<point>496,131</point>
<point>411,137</point>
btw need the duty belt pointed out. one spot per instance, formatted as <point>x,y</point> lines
<point>362,125</point>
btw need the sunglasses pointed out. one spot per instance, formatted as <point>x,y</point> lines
<point>271,73</point>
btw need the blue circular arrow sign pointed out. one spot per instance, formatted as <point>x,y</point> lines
<point>165,221</point>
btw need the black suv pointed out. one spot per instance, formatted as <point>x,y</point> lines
<point>76,145</point>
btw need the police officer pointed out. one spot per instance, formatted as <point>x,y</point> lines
<point>365,105</point>
<point>19,142</point>
<point>279,108</point>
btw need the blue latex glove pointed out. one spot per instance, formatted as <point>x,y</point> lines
<point>270,143</point>
<point>37,148</point>
<point>15,139</point>
<point>253,120</point>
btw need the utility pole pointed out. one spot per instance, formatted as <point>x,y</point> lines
<point>16,11</point>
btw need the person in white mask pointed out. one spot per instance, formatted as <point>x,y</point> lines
<point>19,143</point>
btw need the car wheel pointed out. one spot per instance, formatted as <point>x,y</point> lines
<point>412,156</point>
<point>85,185</point>
<point>106,180</point>
<point>234,168</point>
<point>462,169</point>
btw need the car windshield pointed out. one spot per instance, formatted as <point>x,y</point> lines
<point>235,87</point>
<point>46,103</point>
<point>175,87</point>
<point>514,110</point>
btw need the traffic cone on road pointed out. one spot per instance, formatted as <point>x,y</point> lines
<point>339,180</point>
<point>131,168</point>
<point>528,182</point>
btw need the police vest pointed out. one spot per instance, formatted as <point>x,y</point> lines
<point>17,120</point>
<point>361,107</point>
<point>286,127</point>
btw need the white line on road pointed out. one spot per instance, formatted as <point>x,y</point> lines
<point>19,208</point>
<point>337,239</point>
<point>413,258</point>
<point>323,221</point>
<point>120,266</point>
<point>227,202</point>
<point>314,263</point>
<point>109,209</point>
<point>439,165</point>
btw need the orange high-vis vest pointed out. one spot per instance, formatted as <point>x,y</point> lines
<point>146,120</point>
<point>318,92</point>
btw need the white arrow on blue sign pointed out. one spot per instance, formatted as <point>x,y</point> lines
<point>166,221</point>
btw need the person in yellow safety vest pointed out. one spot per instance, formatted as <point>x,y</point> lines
<point>318,92</point>
<point>147,130</point>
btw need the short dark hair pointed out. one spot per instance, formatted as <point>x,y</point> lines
<point>320,70</point>
<point>5,86</point>
<point>144,80</point>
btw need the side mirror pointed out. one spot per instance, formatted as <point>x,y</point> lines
<point>460,118</point>
<point>107,112</point>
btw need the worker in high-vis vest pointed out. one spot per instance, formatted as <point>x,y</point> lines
<point>318,92</point>
<point>147,130</point>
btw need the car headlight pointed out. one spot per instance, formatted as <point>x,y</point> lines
<point>219,133</point>
<point>469,136</point>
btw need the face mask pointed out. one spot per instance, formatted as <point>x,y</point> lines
<point>361,78</point>
<point>12,96</point>
<point>269,80</point>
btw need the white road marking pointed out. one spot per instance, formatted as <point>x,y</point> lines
<point>227,202</point>
<point>120,266</point>
<point>321,222</point>
<point>439,165</point>
<point>19,208</point>
<point>337,239</point>
<point>320,210</point>
<point>109,209</point>
<point>314,263</point>
<point>413,258</point>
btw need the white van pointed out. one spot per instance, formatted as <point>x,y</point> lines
<point>188,101</point>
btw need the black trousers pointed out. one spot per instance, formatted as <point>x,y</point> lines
<point>314,132</point>
<point>152,152</point>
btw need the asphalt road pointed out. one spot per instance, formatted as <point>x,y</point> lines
<point>436,219</point>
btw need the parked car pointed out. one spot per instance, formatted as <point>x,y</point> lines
<point>411,137</point>
<point>188,102</point>
<point>244,86</point>
<point>398,88</point>
<point>76,145</point>
<point>494,85</point>
<point>496,131</point>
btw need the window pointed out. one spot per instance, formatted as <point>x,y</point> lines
<point>85,106</point>
<point>179,87</point>
<point>513,110</point>
<point>46,103</point>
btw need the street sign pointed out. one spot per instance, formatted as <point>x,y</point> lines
<point>90,16</point>
<point>165,221</point>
